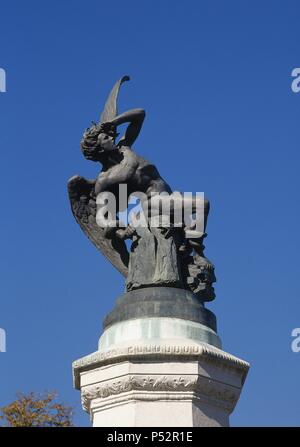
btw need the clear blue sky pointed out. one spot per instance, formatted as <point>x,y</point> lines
<point>215,80</point>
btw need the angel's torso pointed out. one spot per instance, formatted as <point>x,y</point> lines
<point>138,173</point>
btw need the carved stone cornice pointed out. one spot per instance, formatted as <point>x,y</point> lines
<point>158,352</point>
<point>160,387</point>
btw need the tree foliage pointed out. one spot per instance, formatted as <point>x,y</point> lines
<point>36,410</point>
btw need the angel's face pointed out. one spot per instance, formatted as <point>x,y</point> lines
<point>106,142</point>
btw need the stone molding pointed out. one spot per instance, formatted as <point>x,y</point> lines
<point>158,352</point>
<point>161,387</point>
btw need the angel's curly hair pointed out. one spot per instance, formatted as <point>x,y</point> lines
<point>89,142</point>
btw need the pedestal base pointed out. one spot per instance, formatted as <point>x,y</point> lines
<point>181,384</point>
<point>159,364</point>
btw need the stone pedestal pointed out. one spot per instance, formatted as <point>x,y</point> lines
<point>159,371</point>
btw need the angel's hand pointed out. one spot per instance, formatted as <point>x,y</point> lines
<point>126,234</point>
<point>107,127</point>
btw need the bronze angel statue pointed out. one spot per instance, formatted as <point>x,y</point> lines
<point>159,255</point>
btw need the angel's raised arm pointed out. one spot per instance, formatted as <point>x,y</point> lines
<point>135,118</point>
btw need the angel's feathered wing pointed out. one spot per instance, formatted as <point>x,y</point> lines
<point>110,110</point>
<point>83,204</point>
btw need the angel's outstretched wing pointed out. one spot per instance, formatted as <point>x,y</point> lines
<point>110,110</point>
<point>83,204</point>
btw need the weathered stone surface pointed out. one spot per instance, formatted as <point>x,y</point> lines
<point>162,385</point>
<point>157,330</point>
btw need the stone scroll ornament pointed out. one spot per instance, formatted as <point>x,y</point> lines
<point>158,255</point>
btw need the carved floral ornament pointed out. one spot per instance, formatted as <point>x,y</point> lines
<point>177,387</point>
